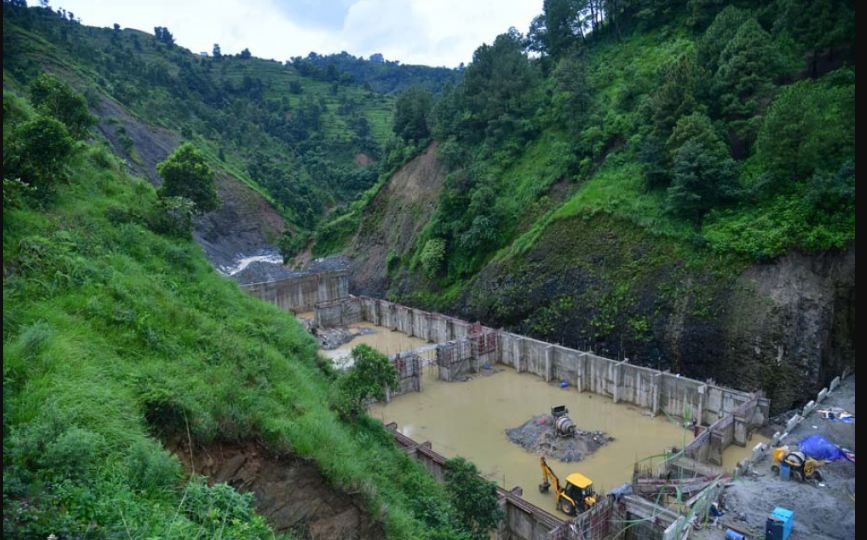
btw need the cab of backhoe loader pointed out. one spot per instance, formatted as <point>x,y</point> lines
<point>579,488</point>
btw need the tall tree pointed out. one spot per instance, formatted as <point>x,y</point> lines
<point>675,95</point>
<point>743,82</point>
<point>809,127</point>
<point>562,24</point>
<point>703,173</point>
<point>818,24</point>
<point>711,44</point>
<point>162,35</point>
<point>186,173</point>
<point>411,112</point>
<point>496,92</point>
<point>701,12</point>
<point>572,98</point>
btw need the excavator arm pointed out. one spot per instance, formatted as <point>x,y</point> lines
<point>547,474</point>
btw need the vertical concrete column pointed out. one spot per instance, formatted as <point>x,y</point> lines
<point>581,370</point>
<point>702,392</point>
<point>549,360</point>
<point>519,354</point>
<point>499,354</point>
<point>618,381</point>
<point>740,431</point>
<point>656,391</point>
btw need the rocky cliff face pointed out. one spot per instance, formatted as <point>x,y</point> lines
<point>785,327</point>
<point>596,282</point>
<point>799,324</point>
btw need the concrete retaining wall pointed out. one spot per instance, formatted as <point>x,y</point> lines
<point>658,391</point>
<point>302,292</point>
<point>341,312</point>
<point>642,386</point>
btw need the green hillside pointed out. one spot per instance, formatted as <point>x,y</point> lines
<point>728,130</point>
<point>117,339</point>
<point>291,137</point>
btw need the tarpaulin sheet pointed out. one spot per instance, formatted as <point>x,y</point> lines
<point>818,447</point>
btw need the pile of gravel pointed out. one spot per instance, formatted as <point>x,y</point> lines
<point>537,435</point>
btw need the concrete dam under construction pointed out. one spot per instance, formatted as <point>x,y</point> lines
<point>659,446</point>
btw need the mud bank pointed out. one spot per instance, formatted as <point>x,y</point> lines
<point>290,492</point>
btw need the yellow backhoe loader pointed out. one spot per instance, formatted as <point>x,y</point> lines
<point>573,498</point>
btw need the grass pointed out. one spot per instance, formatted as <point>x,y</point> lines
<point>112,332</point>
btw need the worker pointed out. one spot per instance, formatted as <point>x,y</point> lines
<point>694,425</point>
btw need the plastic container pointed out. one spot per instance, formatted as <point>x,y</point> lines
<point>779,524</point>
<point>732,535</point>
<point>785,471</point>
<point>564,384</point>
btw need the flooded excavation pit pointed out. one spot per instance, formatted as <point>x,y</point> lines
<point>470,419</point>
<point>557,437</point>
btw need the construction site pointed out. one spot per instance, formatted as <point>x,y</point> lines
<point>582,446</point>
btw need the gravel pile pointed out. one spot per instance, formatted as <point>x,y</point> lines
<point>537,435</point>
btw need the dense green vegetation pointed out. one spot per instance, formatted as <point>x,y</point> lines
<point>731,130</point>
<point>115,336</point>
<point>376,73</point>
<point>286,131</point>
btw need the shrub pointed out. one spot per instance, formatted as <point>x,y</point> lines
<point>55,98</point>
<point>432,256</point>
<point>16,192</point>
<point>37,154</point>
<point>368,377</point>
<point>186,174</point>
<point>213,507</point>
<point>474,497</point>
<point>172,216</point>
<point>150,467</point>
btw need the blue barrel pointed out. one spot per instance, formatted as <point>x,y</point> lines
<point>732,535</point>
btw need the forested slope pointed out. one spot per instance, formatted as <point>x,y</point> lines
<point>675,184</point>
<point>305,138</point>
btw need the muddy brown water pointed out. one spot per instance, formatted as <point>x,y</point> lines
<point>470,418</point>
<point>383,340</point>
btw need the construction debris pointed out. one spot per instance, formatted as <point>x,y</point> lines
<point>332,338</point>
<point>837,414</point>
<point>538,436</point>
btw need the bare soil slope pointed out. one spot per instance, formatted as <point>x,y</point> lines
<point>290,492</point>
<point>244,224</point>
<point>394,219</point>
